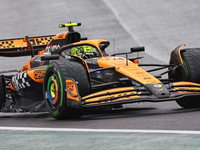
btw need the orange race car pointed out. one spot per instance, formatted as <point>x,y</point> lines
<point>71,74</point>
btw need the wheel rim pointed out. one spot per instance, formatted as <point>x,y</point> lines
<point>52,90</point>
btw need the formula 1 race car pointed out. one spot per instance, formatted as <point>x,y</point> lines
<point>71,74</point>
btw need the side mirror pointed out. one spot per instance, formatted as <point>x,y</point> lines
<point>83,38</point>
<point>138,49</point>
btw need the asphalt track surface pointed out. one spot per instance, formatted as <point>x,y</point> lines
<point>157,24</point>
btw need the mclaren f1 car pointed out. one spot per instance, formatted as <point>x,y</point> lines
<point>71,74</point>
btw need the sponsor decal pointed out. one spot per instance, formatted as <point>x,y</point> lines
<point>51,48</point>
<point>39,74</point>
<point>66,56</point>
<point>7,44</point>
<point>157,85</point>
<point>118,97</point>
<point>40,41</point>
<point>109,73</point>
<point>138,72</point>
<point>70,85</point>
<point>147,78</point>
<point>19,81</point>
<point>61,36</point>
<point>33,41</point>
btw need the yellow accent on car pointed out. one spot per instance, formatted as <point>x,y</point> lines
<point>69,25</point>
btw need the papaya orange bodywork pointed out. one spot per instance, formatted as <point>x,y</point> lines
<point>180,53</point>
<point>61,35</point>
<point>91,99</point>
<point>37,75</point>
<point>185,84</point>
<point>108,91</point>
<point>18,43</point>
<point>187,89</point>
<point>27,66</point>
<point>11,87</point>
<point>128,68</point>
<point>70,85</point>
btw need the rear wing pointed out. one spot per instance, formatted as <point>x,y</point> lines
<point>24,46</point>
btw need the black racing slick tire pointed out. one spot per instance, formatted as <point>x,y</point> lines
<point>191,61</point>
<point>54,86</point>
<point>2,91</point>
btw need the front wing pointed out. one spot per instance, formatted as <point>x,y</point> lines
<point>125,95</point>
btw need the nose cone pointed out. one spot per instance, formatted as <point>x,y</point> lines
<point>159,90</point>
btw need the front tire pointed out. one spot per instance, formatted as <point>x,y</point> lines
<point>191,62</point>
<point>54,87</point>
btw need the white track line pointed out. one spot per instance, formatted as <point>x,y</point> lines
<point>99,130</point>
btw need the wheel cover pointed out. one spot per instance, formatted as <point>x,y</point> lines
<point>52,90</point>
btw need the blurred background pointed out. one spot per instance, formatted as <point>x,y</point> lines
<point>158,25</point>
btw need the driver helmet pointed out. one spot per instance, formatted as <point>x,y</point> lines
<point>81,49</point>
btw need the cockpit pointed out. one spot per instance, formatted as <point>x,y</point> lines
<point>85,51</point>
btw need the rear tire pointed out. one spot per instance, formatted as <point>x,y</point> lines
<point>191,61</point>
<point>56,100</point>
<point>2,91</point>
